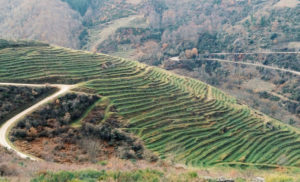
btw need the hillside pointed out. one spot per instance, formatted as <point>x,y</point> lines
<point>220,26</point>
<point>50,21</point>
<point>265,88</point>
<point>178,118</point>
<point>153,30</point>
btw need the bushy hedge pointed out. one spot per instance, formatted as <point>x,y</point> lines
<point>10,44</point>
<point>13,99</point>
<point>54,115</point>
<point>101,125</point>
<point>94,176</point>
<point>126,145</point>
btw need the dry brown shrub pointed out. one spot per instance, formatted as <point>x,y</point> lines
<point>7,170</point>
<point>194,52</point>
<point>164,46</point>
<point>188,54</point>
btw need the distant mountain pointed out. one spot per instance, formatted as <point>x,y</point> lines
<point>151,30</point>
<point>51,21</point>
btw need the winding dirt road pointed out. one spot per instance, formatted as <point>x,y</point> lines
<point>242,63</point>
<point>5,128</point>
<point>249,53</point>
<point>258,65</point>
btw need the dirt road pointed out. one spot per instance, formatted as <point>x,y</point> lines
<point>5,128</point>
<point>250,53</point>
<point>258,65</point>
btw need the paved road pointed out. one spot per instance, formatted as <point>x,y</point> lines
<point>10,123</point>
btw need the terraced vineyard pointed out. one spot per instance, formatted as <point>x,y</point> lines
<point>176,116</point>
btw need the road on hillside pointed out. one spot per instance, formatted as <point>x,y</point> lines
<point>249,53</point>
<point>242,63</point>
<point>5,128</point>
<point>255,64</point>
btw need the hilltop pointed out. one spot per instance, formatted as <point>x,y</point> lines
<point>176,117</point>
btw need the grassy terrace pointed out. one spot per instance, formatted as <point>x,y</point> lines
<point>177,117</point>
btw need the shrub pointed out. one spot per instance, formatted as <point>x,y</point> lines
<point>14,99</point>
<point>140,175</point>
<point>279,179</point>
<point>103,163</point>
<point>93,176</point>
<point>7,44</point>
<point>3,180</point>
<point>7,170</point>
<point>65,176</point>
<point>193,175</point>
<point>65,109</point>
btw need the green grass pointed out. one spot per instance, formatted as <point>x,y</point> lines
<point>94,176</point>
<point>3,179</point>
<point>177,117</point>
<point>77,123</point>
<point>146,175</point>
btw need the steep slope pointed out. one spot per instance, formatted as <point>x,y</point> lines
<point>50,21</point>
<point>166,27</point>
<point>219,26</point>
<point>152,31</point>
<point>273,92</point>
<point>177,117</point>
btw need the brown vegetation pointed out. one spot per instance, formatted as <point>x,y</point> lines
<point>48,133</point>
<point>14,99</point>
<point>15,169</point>
<point>252,25</point>
<point>51,21</point>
